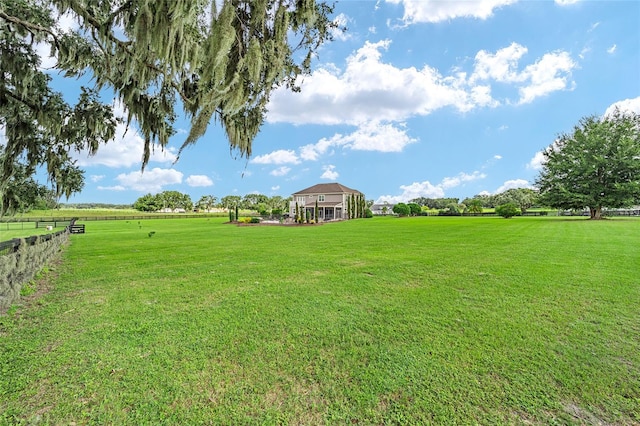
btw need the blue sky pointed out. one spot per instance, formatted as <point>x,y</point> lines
<point>417,99</point>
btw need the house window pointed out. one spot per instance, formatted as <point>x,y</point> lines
<point>300,199</point>
<point>320,198</point>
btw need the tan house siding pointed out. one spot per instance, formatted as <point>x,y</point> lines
<point>334,205</point>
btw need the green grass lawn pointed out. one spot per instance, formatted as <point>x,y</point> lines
<point>379,321</point>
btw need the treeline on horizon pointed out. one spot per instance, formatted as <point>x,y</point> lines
<point>523,197</point>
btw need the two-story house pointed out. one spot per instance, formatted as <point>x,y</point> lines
<point>332,199</point>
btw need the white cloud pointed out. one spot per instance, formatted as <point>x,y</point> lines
<point>432,11</point>
<point>537,161</point>
<point>126,149</point>
<point>329,173</point>
<point>277,157</point>
<point>369,136</point>
<point>566,2</point>
<point>112,188</point>
<point>452,182</point>
<point>96,178</point>
<point>497,157</point>
<point>369,88</point>
<point>612,49</point>
<point>275,188</point>
<point>428,190</point>
<point>513,184</point>
<point>501,66</point>
<point>199,181</point>
<point>65,23</point>
<point>626,105</point>
<point>341,20</point>
<point>280,171</point>
<point>151,180</point>
<point>414,190</point>
<point>549,74</point>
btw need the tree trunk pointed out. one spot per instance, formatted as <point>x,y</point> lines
<point>596,213</point>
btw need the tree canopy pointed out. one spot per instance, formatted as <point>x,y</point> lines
<point>595,166</point>
<point>218,60</point>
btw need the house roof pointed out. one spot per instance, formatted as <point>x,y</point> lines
<point>327,188</point>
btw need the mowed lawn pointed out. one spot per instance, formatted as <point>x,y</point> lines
<point>423,320</point>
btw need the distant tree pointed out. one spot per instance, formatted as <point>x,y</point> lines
<point>253,200</point>
<point>148,203</point>
<point>277,203</point>
<point>22,193</point>
<point>401,209</point>
<point>230,201</point>
<point>174,200</point>
<point>415,209</point>
<point>452,208</point>
<point>524,198</point>
<point>474,205</point>
<point>508,210</point>
<point>385,210</point>
<point>595,166</point>
<point>206,202</point>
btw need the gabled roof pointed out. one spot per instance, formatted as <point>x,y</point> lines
<point>327,188</point>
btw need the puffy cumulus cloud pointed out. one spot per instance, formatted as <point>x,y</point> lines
<point>452,182</point>
<point>626,105</point>
<point>96,178</point>
<point>370,136</point>
<point>537,161</point>
<point>549,74</point>
<point>433,11</point>
<point>281,156</point>
<point>415,190</point>
<point>612,49</point>
<point>369,88</point>
<point>341,21</point>
<point>513,184</point>
<point>199,181</point>
<point>150,181</point>
<point>501,66</point>
<point>275,188</point>
<point>428,190</point>
<point>280,171</point>
<point>329,173</point>
<point>126,149</point>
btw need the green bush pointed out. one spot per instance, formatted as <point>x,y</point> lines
<point>507,210</point>
<point>401,209</point>
<point>254,220</point>
<point>232,216</point>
